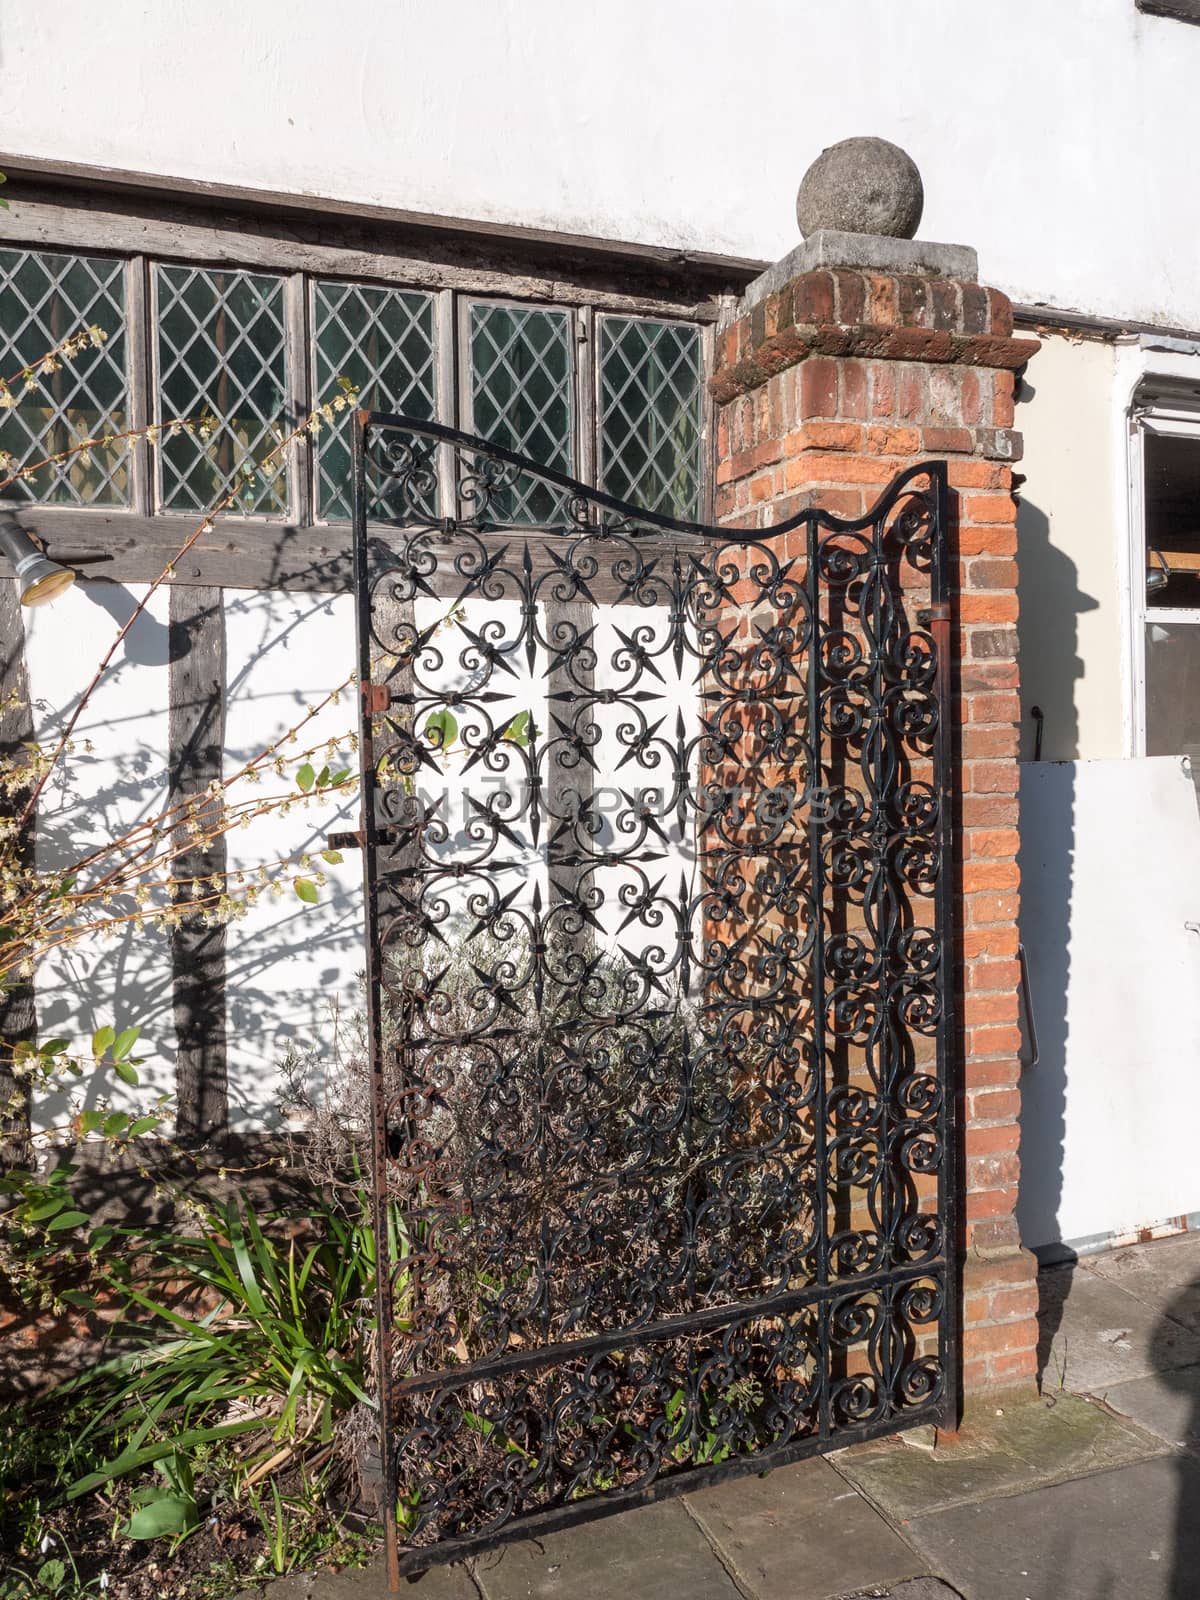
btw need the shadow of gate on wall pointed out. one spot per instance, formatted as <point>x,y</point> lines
<point>656,832</point>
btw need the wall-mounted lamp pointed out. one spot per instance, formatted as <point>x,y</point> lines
<point>1157,579</point>
<point>38,578</point>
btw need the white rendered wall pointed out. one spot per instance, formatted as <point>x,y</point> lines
<point>1056,136</point>
<point>97,796</point>
<point>289,965</point>
<point>291,968</point>
<point>1071,531</point>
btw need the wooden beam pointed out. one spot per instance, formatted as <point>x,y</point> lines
<point>49,218</point>
<point>18,1018</point>
<point>197,685</point>
<point>630,256</point>
<point>241,553</point>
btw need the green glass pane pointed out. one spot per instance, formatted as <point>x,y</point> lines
<point>651,400</point>
<point>521,398</point>
<point>382,341</point>
<point>221,339</point>
<point>44,299</point>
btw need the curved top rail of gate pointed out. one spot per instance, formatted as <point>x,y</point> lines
<point>418,477</point>
<point>662,1083</point>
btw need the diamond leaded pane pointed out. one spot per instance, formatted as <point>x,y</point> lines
<point>651,393</point>
<point>44,299</point>
<point>382,340</point>
<point>222,352</point>
<point>521,397</point>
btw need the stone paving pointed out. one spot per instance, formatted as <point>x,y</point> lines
<point>1091,1492</point>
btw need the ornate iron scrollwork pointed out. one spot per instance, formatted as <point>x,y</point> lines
<point>656,820</point>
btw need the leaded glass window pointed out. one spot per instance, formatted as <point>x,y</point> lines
<point>222,351</point>
<point>44,299</point>
<point>520,390</point>
<point>651,396</point>
<point>381,340</point>
<point>610,398</point>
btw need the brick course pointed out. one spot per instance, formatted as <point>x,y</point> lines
<point>826,390</point>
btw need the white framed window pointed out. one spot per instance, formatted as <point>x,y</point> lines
<point>1164,577</point>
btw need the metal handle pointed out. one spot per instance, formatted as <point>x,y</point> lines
<point>1027,1003</point>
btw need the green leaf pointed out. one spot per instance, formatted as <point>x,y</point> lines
<point>101,1040</point>
<point>339,776</point>
<point>441,728</point>
<point>143,1125</point>
<point>306,777</point>
<point>518,729</point>
<point>126,1073</point>
<point>89,1121</point>
<point>78,1297</point>
<point>170,1513</point>
<point>51,1573</point>
<point>345,384</point>
<point>307,890</point>
<point>67,1219</point>
<point>46,1208</point>
<point>54,1047</point>
<point>126,1040</point>
<point>322,777</point>
<point>334,857</point>
<point>116,1124</point>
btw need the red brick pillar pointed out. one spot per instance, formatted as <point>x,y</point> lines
<point>828,385</point>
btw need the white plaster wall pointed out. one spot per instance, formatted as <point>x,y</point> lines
<point>1071,532</point>
<point>97,796</point>
<point>1108,1115</point>
<point>291,968</point>
<point>1055,137</point>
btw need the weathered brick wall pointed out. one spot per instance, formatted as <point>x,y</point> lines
<point>827,389</point>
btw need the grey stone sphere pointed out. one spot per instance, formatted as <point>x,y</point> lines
<point>861,186</point>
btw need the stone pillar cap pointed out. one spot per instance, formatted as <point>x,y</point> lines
<point>862,252</point>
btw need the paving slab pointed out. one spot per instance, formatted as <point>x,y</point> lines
<point>1096,1333</point>
<point>1165,1274</point>
<point>1132,1534</point>
<point>801,1533</point>
<point>646,1554</point>
<point>367,1583</point>
<point>1042,1442</point>
<point>1167,1403</point>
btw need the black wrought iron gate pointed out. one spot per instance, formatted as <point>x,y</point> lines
<point>656,838</point>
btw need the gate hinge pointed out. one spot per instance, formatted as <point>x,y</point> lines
<point>376,697</point>
<point>932,614</point>
<point>344,841</point>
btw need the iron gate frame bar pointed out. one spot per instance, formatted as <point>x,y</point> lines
<point>945,1412</point>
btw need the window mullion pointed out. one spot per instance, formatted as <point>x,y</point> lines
<point>586,405</point>
<point>141,378</point>
<point>300,400</point>
<point>705,508</point>
<point>446,405</point>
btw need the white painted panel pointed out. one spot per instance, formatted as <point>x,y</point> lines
<point>1110,870</point>
<point>98,795</point>
<point>288,964</point>
<point>465,786</point>
<point>1070,531</point>
<point>1056,138</point>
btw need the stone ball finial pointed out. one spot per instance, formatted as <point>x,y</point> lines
<point>861,186</point>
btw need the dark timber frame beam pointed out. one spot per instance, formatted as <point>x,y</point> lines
<point>197,738</point>
<point>18,1019</point>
